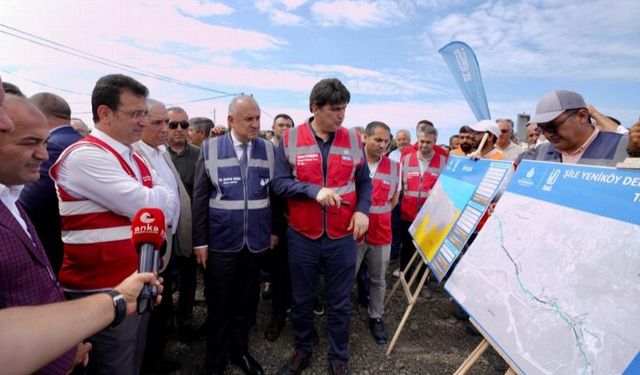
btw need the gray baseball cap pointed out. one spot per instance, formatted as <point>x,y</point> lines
<point>554,103</point>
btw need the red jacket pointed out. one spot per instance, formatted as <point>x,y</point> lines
<point>416,188</point>
<point>345,155</point>
<point>385,185</point>
<point>98,253</point>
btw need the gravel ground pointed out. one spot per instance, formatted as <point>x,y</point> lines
<point>433,342</point>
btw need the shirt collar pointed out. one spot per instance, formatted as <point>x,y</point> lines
<point>10,194</point>
<point>581,149</point>
<point>120,147</point>
<point>151,150</point>
<point>331,134</point>
<point>236,142</point>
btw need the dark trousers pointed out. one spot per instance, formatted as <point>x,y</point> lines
<point>363,283</point>
<point>187,271</point>
<point>119,349</point>
<point>230,278</point>
<point>406,252</point>
<point>306,258</point>
<point>396,232</point>
<point>277,264</point>
<point>160,320</point>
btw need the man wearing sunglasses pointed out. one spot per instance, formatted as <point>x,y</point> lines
<point>563,118</point>
<point>184,156</point>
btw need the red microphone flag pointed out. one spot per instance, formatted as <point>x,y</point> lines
<point>148,227</point>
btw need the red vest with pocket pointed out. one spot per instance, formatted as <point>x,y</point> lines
<point>385,184</point>
<point>307,216</point>
<point>416,188</point>
<point>98,253</point>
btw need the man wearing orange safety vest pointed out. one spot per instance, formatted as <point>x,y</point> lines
<point>488,151</point>
<point>420,171</point>
<point>320,169</point>
<point>375,250</point>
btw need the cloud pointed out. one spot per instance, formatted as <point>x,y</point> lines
<point>342,69</point>
<point>199,8</point>
<point>359,13</point>
<point>293,4</point>
<point>279,17</point>
<point>149,25</point>
<point>281,12</point>
<point>583,40</point>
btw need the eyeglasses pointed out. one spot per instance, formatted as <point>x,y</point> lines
<point>136,115</point>
<point>175,124</point>
<point>551,127</point>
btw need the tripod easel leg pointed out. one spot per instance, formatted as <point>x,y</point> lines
<point>398,282</point>
<point>412,301</point>
<point>472,358</point>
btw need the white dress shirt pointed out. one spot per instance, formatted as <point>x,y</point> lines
<point>9,196</point>
<point>238,146</point>
<point>92,173</point>
<point>395,155</point>
<point>159,163</point>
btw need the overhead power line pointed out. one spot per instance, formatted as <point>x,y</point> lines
<point>60,47</point>
<point>45,84</point>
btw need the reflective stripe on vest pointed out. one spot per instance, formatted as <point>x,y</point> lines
<point>212,163</point>
<point>385,177</point>
<point>239,206</point>
<point>414,195</point>
<point>97,245</point>
<point>305,158</point>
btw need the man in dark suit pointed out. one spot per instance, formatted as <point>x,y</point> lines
<point>39,198</point>
<point>231,230</point>
<point>26,277</point>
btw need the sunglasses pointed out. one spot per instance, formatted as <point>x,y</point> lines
<point>175,124</point>
<point>552,127</point>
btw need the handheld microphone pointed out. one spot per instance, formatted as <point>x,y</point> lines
<point>147,236</point>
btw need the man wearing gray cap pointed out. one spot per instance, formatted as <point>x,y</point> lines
<point>563,118</point>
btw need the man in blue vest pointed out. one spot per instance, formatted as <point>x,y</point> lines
<point>321,170</point>
<point>562,116</point>
<point>231,230</point>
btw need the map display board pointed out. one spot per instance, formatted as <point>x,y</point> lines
<point>455,205</point>
<point>553,278</point>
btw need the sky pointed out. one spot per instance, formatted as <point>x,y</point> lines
<point>198,54</point>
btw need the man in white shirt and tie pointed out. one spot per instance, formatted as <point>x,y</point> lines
<point>152,148</point>
<point>231,231</point>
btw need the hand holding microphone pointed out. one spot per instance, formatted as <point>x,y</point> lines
<point>147,236</point>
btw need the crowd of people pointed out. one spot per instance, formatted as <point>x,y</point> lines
<point>295,205</point>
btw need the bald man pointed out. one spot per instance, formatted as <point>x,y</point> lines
<point>5,121</point>
<point>26,277</point>
<point>39,198</point>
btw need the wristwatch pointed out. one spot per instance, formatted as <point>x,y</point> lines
<point>120,305</point>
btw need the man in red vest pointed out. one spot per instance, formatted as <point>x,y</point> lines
<point>376,247</point>
<point>101,184</point>
<point>415,147</point>
<point>420,171</point>
<point>320,169</point>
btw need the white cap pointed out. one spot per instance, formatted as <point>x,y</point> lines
<point>486,126</point>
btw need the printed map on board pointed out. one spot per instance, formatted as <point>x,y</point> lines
<point>553,279</point>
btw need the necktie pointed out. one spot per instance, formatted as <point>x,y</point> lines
<point>243,160</point>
